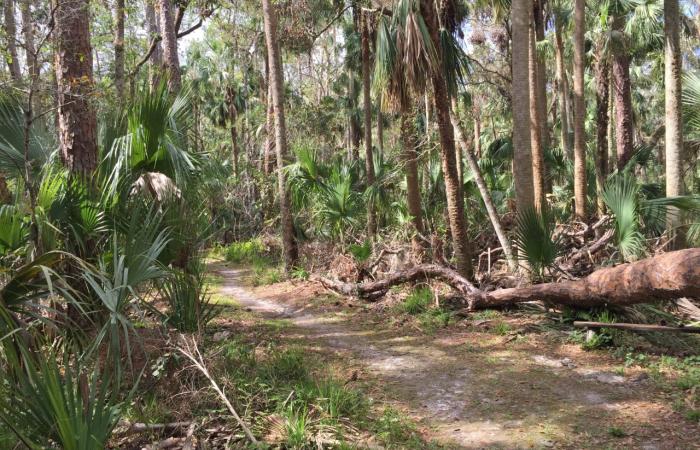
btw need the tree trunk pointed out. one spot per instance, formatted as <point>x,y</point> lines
<point>232,117</point>
<point>410,160</point>
<point>171,60</point>
<point>77,121</point>
<point>484,191</point>
<point>380,126</point>
<point>562,87</point>
<point>535,124</point>
<point>665,277</point>
<point>277,83</point>
<point>622,88</point>
<point>5,195</point>
<point>522,152</point>
<point>579,111</point>
<point>674,123</point>
<point>11,37</point>
<point>268,159</point>
<point>455,201</point>
<point>538,11</point>
<point>119,49</point>
<point>367,106</point>
<point>28,32</point>
<point>602,79</point>
<point>355,132</point>
<point>156,60</point>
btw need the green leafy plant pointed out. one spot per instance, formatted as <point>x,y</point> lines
<point>534,238</point>
<point>189,305</point>
<point>418,301</point>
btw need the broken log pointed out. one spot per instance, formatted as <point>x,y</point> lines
<point>661,278</point>
<point>637,327</point>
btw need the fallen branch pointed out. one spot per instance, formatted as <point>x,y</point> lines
<point>661,278</point>
<point>637,327</point>
<point>146,427</point>
<point>191,352</point>
<point>590,250</point>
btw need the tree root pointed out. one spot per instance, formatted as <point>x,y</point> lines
<point>661,278</point>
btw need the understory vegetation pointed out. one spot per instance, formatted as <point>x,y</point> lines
<point>434,171</point>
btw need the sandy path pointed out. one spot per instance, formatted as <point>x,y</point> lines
<point>503,400</point>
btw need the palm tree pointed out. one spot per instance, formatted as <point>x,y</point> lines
<point>156,60</point>
<point>77,121</point>
<point>169,44</point>
<point>674,129</point>
<point>602,82</point>
<point>579,110</point>
<point>28,32</point>
<point>11,36</point>
<point>622,85</point>
<point>455,201</point>
<point>536,120</point>
<point>562,85</point>
<point>522,152</point>
<point>277,88</point>
<point>367,104</point>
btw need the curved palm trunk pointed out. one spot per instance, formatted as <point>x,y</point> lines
<point>276,81</point>
<point>367,104</point>
<point>77,121</point>
<point>119,48</point>
<point>602,78</point>
<point>11,36</point>
<point>622,88</point>
<point>674,127</point>
<point>484,191</point>
<point>522,152</point>
<point>535,125</point>
<point>455,201</point>
<point>579,111</point>
<point>169,44</point>
<point>562,87</point>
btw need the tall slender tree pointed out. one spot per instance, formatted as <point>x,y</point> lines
<point>77,121</point>
<point>367,105</point>
<point>156,61</point>
<point>522,152</point>
<point>562,85</point>
<point>455,200</point>
<point>11,37</point>
<point>602,82</point>
<point>171,61</point>
<point>622,86</point>
<point>277,83</point>
<point>674,124</point>
<point>119,48</point>
<point>579,110</point>
<point>535,122</point>
<point>28,34</point>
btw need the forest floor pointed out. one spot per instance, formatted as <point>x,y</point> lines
<point>492,380</point>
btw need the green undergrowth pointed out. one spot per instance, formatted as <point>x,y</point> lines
<point>421,304</point>
<point>263,261</point>
<point>292,400</point>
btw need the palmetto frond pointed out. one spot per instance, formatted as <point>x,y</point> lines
<point>621,195</point>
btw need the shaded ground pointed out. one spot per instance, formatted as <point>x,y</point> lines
<point>471,388</point>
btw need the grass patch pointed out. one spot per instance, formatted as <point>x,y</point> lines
<point>244,251</point>
<point>418,301</point>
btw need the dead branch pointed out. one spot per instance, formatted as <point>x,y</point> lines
<point>191,352</point>
<point>637,327</point>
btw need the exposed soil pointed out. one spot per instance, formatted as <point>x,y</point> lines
<point>472,388</point>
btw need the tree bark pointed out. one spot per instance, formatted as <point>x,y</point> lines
<point>522,152</point>
<point>535,123</point>
<point>538,11</point>
<point>674,123</point>
<point>367,106</point>
<point>28,32</point>
<point>602,79</point>
<point>579,111</point>
<point>11,37</point>
<point>171,60</point>
<point>277,82</point>
<point>562,87</point>
<point>665,277</point>
<point>156,61</point>
<point>410,160</point>
<point>119,49</point>
<point>77,121</point>
<point>268,159</point>
<point>455,201</point>
<point>622,88</point>
<point>484,191</point>
<point>232,117</point>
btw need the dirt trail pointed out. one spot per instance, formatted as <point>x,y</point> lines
<point>485,396</point>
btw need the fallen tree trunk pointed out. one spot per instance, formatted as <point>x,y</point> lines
<point>665,277</point>
<point>637,327</point>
